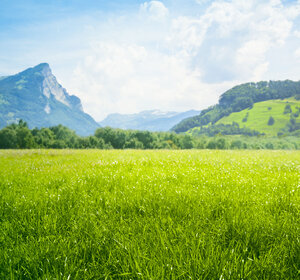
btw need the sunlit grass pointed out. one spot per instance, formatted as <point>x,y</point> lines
<point>149,214</point>
<point>259,115</point>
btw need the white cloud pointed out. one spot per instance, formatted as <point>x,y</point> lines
<point>131,78</point>
<point>297,54</point>
<point>155,10</point>
<point>145,61</point>
<point>239,33</point>
<point>250,59</point>
<point>297,33</point>
<point>187,34</point>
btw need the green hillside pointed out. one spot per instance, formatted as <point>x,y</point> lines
<point>237,99</point>
<point>258,116</point>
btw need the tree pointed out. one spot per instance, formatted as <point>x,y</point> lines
<point>221,143</point>
<point>186,142</point>
<point>58,144</point>
<point>271,121</point>
<point>146,137</point>
<point>114,137</point>
<point>287,109</point>
<point>237,144</point>
<point>212,144</point>
<point>22,123</point>
<point>25,139</point>
<point>245,118</point>
<point>133,143</point>
<point>62,133</point>
<point>269,146</point>
<point>43,137</point>
<point>8,138</point>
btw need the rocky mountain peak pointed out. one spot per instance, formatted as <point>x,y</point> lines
<point>51,86</point>
<point>41,66</point>
<point>35,96</point>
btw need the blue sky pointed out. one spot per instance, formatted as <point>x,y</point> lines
<point>128,56</point>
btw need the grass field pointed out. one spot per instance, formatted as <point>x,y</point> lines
<point>259,115</point>
<point>149,214</point>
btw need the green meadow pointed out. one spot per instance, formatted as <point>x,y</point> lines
<point>94,214</point>
<point>256,118</point>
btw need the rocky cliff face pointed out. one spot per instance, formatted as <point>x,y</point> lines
<point>51,88</point>
<point>35,96</point>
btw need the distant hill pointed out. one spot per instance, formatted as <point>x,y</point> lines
<point>254,99</point>
<point>258,116</point>
<point>272,118</point>
<point>35,96</point>
<point>152,120</point>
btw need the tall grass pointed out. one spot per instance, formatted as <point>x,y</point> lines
<point>149,214</point>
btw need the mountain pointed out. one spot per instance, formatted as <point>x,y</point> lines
<point>256,99</point>
<point>152,120</point>
<point>35,96</point>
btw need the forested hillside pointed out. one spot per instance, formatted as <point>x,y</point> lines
<point>239,98</point>
<point>271,117</point>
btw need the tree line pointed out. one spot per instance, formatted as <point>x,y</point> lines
<point>19,136</point>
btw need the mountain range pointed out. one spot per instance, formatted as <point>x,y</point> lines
<point>36,97</point>
<point>151,120</point>
<point>267,107</point>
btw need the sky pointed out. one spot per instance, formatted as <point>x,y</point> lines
<point>173,55</point>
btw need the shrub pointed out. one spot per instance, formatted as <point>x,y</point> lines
<point>271,121</point>
<point>237,144</point>
<point>212,144</point>
<point>245,118</point>
<point>287,109</point>
<point>270,146</point>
